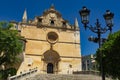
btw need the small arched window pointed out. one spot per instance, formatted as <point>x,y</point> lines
<point>40,20</point>
<point>52,22</point>
<point>64,24</point>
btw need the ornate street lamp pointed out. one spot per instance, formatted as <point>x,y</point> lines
<point>84,13</point>
<point>108,16</point>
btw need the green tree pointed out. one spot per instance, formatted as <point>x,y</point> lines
<point>10,45</point>
<point>110,51</point>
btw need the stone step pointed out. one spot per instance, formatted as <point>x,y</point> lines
<point>65,77</point>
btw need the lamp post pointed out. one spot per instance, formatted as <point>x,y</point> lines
<point>108,16</point>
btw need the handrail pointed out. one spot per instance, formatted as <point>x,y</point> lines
<point>23,75</point>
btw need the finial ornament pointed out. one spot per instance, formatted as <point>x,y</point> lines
<point>76,23</point>
<point>52,6</point>
<point>24,18</point>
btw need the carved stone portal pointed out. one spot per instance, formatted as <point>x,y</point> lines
<point>51,60</point>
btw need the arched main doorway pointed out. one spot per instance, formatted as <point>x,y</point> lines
<point>50,68</point>
<point>51,60</point>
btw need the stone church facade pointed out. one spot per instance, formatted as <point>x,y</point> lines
<point>51,43</point>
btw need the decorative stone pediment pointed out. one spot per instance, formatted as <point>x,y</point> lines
<point>52,11</point>
<point>51,17</point>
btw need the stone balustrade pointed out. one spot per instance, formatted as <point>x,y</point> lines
<point>87,72</point>
<point>23,75</point>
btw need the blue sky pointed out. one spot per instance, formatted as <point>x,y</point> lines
<point>13,10</point>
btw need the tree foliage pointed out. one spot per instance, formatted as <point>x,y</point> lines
<point>110,51</point>
<point>5,73</point>
<point>10,45</point>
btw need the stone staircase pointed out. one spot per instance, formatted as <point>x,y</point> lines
<point>65,77</point>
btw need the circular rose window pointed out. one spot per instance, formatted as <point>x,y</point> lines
<point>52,37</point>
